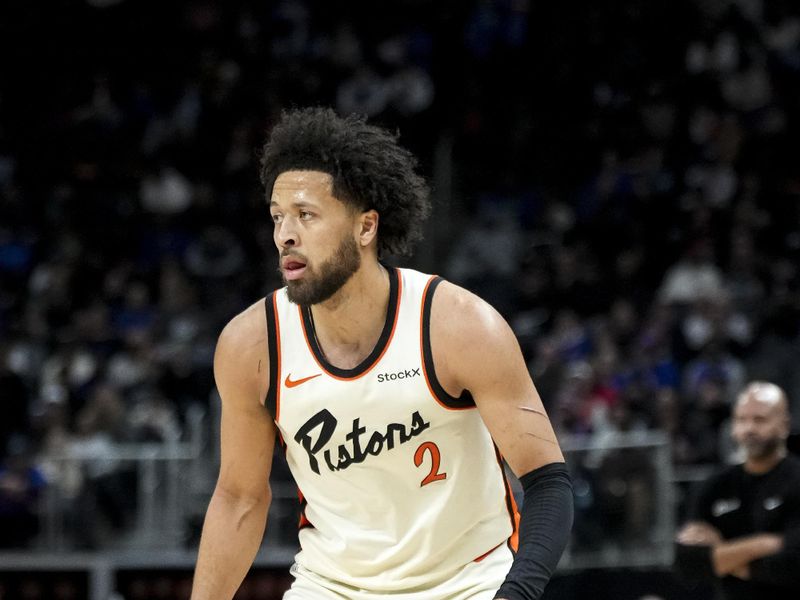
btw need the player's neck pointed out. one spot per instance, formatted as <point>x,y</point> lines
<point>349,324</point>
<point>759,466</point>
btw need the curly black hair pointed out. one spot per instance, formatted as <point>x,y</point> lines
<point>370,170</point>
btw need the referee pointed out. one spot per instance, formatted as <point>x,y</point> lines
<point>744,527</point>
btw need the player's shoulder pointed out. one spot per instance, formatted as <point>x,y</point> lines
<point>465,317</point>
<point>243,343</point>
<point>246,328</point>
<point>241,359</point>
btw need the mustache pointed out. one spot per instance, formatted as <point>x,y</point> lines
<point>288,253</point>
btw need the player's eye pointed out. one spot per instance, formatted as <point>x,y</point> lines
<point>277,218</point>
<point>305,215</point>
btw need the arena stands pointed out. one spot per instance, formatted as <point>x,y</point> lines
<point>620,181</point>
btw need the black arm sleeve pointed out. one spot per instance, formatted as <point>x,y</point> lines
<point>545,524</point>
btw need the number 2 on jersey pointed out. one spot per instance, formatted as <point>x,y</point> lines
<point>434,474</point>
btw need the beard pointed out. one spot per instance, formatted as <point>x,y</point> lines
<point>761,448</point>
<point>319,285</point>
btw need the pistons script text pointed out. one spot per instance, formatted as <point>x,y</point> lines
<point>319,429</point>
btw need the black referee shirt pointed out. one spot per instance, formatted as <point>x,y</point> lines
<point>740,504</point>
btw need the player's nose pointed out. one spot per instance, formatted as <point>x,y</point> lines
<point>286,234</point>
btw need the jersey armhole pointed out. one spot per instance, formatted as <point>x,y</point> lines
<point>271,400</point>
<point>465,400</point>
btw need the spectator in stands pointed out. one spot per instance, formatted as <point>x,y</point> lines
<point>21,484</point>
<point>694,277</point>
<point>108,493</point>
<point>127,206</point>
<point>13,401</point>
<point>744,526</point>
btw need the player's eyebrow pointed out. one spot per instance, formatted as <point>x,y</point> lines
<point>296,204</point>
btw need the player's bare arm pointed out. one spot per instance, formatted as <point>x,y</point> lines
<point>237,513</point>
<point>475,349</point>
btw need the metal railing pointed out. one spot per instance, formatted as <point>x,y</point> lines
<point>625,495</point>
<point>161,474</point>
<point>625,500</point>
<point>156,482</point>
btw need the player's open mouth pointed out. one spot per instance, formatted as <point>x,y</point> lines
<point>292,268</point>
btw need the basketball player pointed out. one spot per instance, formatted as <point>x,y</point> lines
<point>395,394</point>
<point>744,528</point>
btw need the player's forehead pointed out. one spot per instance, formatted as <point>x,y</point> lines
<point>302,185</point>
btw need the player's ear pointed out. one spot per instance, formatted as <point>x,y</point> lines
<point>368,223</point>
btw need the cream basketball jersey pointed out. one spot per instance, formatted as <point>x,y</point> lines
<point>401,483</point>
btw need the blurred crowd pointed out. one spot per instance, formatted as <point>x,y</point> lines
<point>624,176</point>
<point>649,261</point>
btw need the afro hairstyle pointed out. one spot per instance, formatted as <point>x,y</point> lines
<point>370,170</point>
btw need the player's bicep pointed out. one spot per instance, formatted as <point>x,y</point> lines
<point>512,409</point>
<point>482,355</point>
<point>247,442</point>
<point>247,436</point>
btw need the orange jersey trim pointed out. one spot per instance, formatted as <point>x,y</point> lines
<point>485,554</point>
<point>511,505</point>
<point>278,354</point>
<point>303,521</point>
<point>395,318</point>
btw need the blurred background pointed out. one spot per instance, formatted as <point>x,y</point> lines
<point>621,180</point>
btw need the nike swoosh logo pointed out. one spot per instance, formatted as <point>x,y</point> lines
<point>290,383</point>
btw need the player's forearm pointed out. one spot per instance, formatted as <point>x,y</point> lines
<point>730,556</point>
<point>545,524</point>
<point>232,534</point>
